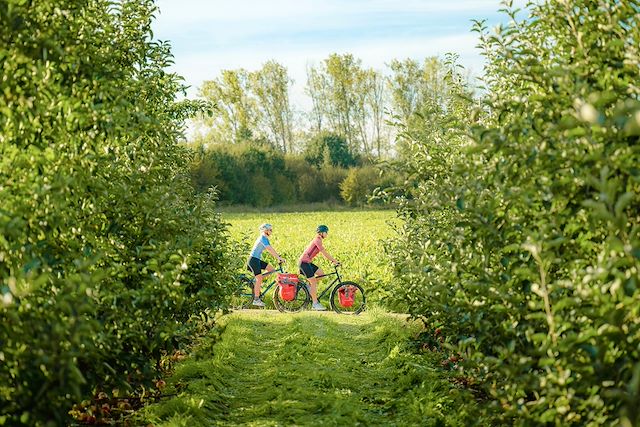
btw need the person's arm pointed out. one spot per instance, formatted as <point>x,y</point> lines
<point>274,253</point>
<point>329,257</point>
<point>326,254</point>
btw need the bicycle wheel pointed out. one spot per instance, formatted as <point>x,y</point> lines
<point>300,301</point>
<point>243,296</point>
<point>347,298</point>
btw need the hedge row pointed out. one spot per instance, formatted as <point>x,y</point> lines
<point>259,175</point>
<point>106,250</point>
<point>521,239</point>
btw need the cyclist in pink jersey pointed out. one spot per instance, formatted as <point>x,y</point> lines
<point>312,271</point>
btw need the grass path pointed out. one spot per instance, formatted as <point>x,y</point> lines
<point>271,369</point>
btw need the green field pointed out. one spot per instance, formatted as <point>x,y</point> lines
<point>355,239</point>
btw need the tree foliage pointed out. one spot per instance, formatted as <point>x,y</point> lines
<point>348,100</point>
<point>249,106</point>
<point>106,251</point>
<point>329,149</point>
<point>338,88</point>
<point>521,234</point>
<point>235,109</point>
<point>270,85</point>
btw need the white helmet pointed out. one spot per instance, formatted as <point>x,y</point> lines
<point>265,227</point>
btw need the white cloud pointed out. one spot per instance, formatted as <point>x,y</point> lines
<point>184,12</point>
<point>209,36</point>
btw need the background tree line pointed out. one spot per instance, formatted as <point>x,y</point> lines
<point>259,175</point>
<point>328,153</point>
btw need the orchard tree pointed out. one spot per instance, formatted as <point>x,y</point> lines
<point>522,217</point>
<point>99,221</point>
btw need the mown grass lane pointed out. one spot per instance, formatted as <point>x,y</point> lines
<point>272,369</point>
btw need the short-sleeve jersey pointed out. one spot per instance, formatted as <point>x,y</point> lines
<point>262,242</point>
<point>312,250</point>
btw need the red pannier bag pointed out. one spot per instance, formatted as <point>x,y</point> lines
<point>347,295</point>
<point>288,283</point>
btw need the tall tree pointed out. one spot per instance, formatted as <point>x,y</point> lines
<point>376,102</point>
<point>413,86</point>
<point>418,91</point>
<point>270,85</point>
<point>317,90</point>
<point>404,87</point>
<point>337,88</point>
<point>344,77</point>
<point>234,105</point>
<point>433,87</point>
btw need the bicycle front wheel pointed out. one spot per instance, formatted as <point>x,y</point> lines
<point>348,298</point>
<point>298,303</point>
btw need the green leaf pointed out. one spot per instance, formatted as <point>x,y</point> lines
<point>623,202</point>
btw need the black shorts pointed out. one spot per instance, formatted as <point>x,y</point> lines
<point>308,269</point>
<point>256,265</point>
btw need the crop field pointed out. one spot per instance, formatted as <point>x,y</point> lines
<point>355,239</point>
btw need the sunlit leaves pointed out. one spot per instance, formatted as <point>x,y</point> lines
<point>98,217</point>
<point>553,161</point>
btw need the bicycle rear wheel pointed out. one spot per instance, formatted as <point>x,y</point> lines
<point>243,296</point>
<point>348,298</point>
<point>301,300</point>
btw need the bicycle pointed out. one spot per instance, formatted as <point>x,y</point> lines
<point>345,297</point>
<point>244,294</point>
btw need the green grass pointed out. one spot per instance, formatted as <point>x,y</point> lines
<point>271,369</point>
<point>355,239</point>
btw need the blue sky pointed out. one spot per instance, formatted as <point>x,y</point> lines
<point>209,36</point>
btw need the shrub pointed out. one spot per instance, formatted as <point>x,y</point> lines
<point>275,179</point>
<point>329,149</point>
<point>523,246</point>
<point>332,177</point>
<point>359,184</point>
<point>106,251</point>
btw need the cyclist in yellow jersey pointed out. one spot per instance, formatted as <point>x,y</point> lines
<point>309,269</point>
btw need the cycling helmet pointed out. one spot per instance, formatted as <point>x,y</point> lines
<point>265,227</point>
<point>322,229</point>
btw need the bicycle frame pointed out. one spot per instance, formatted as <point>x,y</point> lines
<point>338,279</point>
<point>266,289</point>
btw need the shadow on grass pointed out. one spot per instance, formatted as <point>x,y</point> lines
<point>311,369</point>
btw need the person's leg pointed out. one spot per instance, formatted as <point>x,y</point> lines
<point>254,267</point>
<point>257,287</point>
<point>316,305</point>
<point>310,271</point>
<point>313,288</point>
